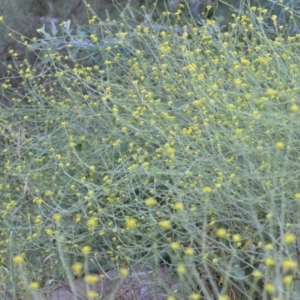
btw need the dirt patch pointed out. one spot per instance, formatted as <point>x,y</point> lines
<point>140,284</point>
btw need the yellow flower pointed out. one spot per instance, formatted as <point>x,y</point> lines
<point>294,108</point>
<point>178,206</point>
<point>34,285</point>
<point>280,145</point>
<point>181,269</point>
<point>91,223</point>
<point>124,272</point>
<point>269,287</point>
<point>77,268</point>
<point>86,250</point>
<point>175,246</point>
<point>189,251</point>
<point>93,38</point>
<point>274,18</point>
<point>131,223</point>
<point>57,217</point>
<point>91,279</point>
<point>77,218</point>
<point>289,238</point>
<point>18,259</point>
<point>269,247</point>
<point>257,274</point>
<point>170,151</point>
<point>221,232</point>
<point>271,92</point>
<point>151,202</point>
<point>165,224</point>
<point>288,279</point>
<point>92,295</point>
<point>207,190</point>
<point>297,196</point>
<point>215,260</point>
<point>194,296</point>
<point>236,238</point>
<point>289,264</point>
<point>269,261</point>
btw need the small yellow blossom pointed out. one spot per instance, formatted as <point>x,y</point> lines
<point>175,246</point>
<point>221,232</point>
<point>294,108</point>
<point>165,224</point>
<point>236,238</point>
<point>289,264</point>
<point>178,206</point>
<point>271,93</point>
<point>297,196</point>
<point>91,279</point>
<point>289,238</point>
<point>207,190</point>
<point>34,285</point>
<point>189,251</point>
<point>92,294</point>
<point>181,269</point>
<point>151,202</point>
<point>77,218</point>
<point>171,151</point>
<point>131,223</point>
<point>269,247</point>
<point>269,261</point>
<point>194,296</point>
<point>269,287</point>
<point>49,231</point>
<point>91,223</point>
<point>57,217</point>
<point>77,268</point>
<point>86,250</point>
<point>124,272</point>
<point>288,279</point>
<point>257,274</point>
<point>94,38</point>
<point>280,145</point>
<point>274,18</point>
<point>18,259</point>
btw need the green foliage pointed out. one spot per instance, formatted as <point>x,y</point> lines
<point>286,12</point>
<point>148,147</point>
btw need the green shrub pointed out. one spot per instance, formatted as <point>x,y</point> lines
<point>149,147</point>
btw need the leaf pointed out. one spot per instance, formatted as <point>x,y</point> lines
<point>46,34</point>
<point>67,28</point>
<point>79,147</point>
<point>53,29</point>
<point>238,273</point>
